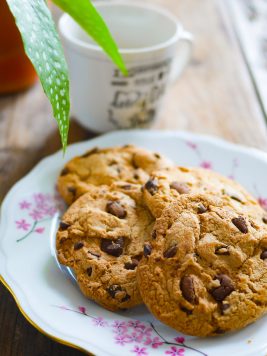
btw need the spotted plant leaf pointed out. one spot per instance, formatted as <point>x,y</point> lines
<point>44,49</point>
<point>85,14</point>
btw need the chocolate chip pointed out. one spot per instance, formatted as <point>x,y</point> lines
<point>113,162</point>
<point>131,265</point>
<point>237,198</point>
<point>151,186</point>
<point>264,219</point>
<point>91,152</point>
<point>224,307</point>
<point>187,311</point>
<point>219,331</point>
<point>154,234</point>
<point>233,195</point>
<point>62,240</point>
<point>181,188</point>
<point>115,208</point>
<point>136,176</point>
<point>72,190</point>
<point>63,225</point>
<point>138,257</point>
<point>89,271</point>
<point>222,250</point>
<point>188,290</point>
<point>112,247</point>
<point>147,250</point>
<point>170,252</point>
<point>135,261</point>
<point>97,255</point>
<point>124,299</point>
<point>264,255</point>
<point>116,291</point>
<point>241,224</point>
<point>226,288</point>
<point>127,187</point>
<point>78,246</point>
<point>157,155</point>
<point>64,171</point>
<point>201,209</point>
<point>113,290</point>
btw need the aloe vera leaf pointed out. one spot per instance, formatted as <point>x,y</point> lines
<point>86,15</point>
<point>43,47</point>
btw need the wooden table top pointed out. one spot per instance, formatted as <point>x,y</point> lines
<point>216,95</point>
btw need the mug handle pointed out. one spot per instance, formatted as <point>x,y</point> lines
<point>183,55</point>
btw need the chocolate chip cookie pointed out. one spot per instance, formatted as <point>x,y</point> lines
<point>168,185</point>
<point>101,237</point>
<point>127,164</point>
<point>205,271</point>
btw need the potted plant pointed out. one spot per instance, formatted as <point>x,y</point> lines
<point>42,46</point>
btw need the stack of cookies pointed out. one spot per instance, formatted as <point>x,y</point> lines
<point>189,243</point>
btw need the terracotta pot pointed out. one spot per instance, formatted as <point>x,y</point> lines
<point>16,70</point>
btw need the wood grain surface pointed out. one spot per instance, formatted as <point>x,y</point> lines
<point>214,96</point>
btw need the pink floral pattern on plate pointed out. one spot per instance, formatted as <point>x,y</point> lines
<point>35,210</point>
<point>261,199</point>
<point>206,164</point>
<point>263,202</point>
<point>138,337</point>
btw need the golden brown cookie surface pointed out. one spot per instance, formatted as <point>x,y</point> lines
<point>168,185</point>
<point>128,164</point>
<point>101,237</point>
<point>205,271</point>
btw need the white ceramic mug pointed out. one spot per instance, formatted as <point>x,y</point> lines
<point>155,49</point>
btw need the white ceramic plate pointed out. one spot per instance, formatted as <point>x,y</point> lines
<point>54,304</point>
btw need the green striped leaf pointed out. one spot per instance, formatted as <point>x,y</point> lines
<point>43,47</point>
<point>85,14</point>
